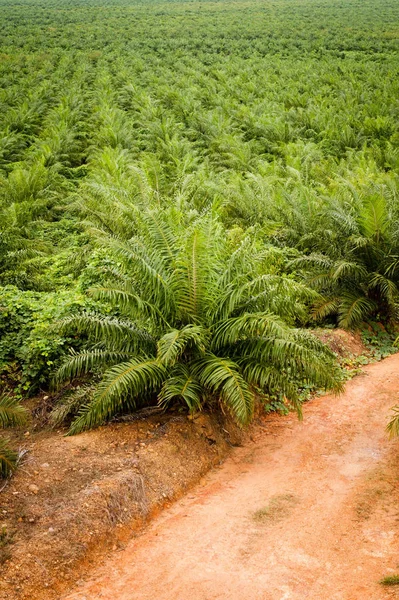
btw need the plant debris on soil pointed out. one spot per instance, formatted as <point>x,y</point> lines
<point>279,506</point>
<point>390,580</point>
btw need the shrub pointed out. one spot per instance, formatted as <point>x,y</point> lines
<point>30,345</point>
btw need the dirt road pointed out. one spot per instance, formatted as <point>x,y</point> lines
<point>309,510</point>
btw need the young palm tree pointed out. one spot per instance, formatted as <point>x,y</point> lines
<point>11,414</point>
<point>358,272</point>
<point>194,321</point>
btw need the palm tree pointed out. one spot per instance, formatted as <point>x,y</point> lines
<point>196,321</point>
<point>11,414</point>
<point>354,259</point>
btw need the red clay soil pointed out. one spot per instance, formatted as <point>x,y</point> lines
<point>309,510</point>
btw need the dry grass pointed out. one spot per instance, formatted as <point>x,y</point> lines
<point>130,492</point>
<point>278,508</point>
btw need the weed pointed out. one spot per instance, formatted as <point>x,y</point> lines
<point>379,341</point>
<point>390,580</point>
<point>5,540</point>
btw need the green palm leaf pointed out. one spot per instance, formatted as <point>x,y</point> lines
<point>121,388</point>
<point>222,377</point>
<point>354,309</point>
<point>325,307</point>
<point>8,459</point>
<point>87,361</point>
<point>386,286</point>
<point>182,385</point>
<point>269,379</point>
<point>163,239</point>
<point>122,334</point>
<point>344,268</point>
<point>172,345</point>
<point>11,412</point>
<point>248,325</point>
<point>190,283</point>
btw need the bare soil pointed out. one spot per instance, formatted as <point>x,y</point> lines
<point>308,510</point>
<point>344,343</point>
<point>76,498</point>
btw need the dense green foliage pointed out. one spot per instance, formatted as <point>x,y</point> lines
<point>277,122</point>
<point>351,254</point>
<point>194,322</point>
<point>30,344</point>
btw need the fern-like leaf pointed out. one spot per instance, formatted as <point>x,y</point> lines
<point>120,389</point>
<point>222,377</point>
<point>182,385</point>
<point>11,412</point>
<point>8,459</point>
<point>172,345</point>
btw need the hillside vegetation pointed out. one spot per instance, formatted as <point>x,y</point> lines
<point>185,188</point>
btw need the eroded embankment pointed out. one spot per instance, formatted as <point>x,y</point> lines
<point>75,498</point>
<point>307,511</point>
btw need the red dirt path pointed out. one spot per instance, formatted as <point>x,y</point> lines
<point>309,510</point>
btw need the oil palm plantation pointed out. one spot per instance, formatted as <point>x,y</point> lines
<point>196,321</point>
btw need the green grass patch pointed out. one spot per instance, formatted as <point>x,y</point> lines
<point>390,580</point>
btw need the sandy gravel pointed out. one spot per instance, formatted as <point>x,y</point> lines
<point>306,511</point>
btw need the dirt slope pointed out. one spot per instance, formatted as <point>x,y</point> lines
<point>307,511</point>
<point>75,498</point>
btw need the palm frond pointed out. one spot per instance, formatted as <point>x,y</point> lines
<point>131,304</point>
<point>70,404</point>
<point>248,325</point>
<point>120,333</point>
<point>120,389</point>
<point>87,361</point>
<point>393,425</point>
<point>163,239</point>
<point>347,269</point>
<point>11,412</point>
<point>387,287</point>
<point>325,307</point>
<point>192,278</point>
<point>266,377</point>
<point>172,345</point>
<point>222,377</point>
<point>374,218</point>
<point>8,459</point>
<point>182,385</point>
<point>313,260</point>
<point>267,292</point>
<point>354,309</point>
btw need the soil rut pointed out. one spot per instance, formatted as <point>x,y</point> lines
<point>306,511</point>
